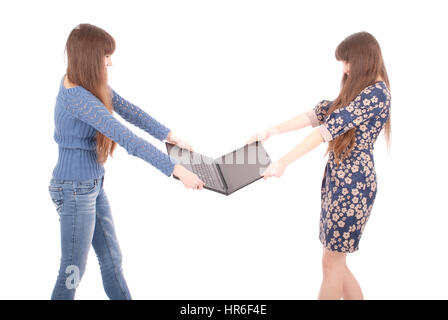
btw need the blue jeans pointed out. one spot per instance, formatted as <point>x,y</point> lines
<point>85,218</point>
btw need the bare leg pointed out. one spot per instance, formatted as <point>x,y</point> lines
<point>351,289</point>
<point>334,270</point>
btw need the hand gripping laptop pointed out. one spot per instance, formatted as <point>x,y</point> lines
<point>228,173</point>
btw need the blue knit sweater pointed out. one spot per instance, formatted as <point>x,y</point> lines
<point>79,114</point>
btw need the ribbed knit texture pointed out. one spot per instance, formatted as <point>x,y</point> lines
<point>78,115</point>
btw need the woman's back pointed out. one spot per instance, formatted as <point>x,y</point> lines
<point>76,141</point>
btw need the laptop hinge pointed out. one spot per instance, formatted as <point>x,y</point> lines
<point>226,188</point>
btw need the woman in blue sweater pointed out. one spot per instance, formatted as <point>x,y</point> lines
<point>87,133</point>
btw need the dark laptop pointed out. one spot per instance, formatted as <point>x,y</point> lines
<point>227,173</point>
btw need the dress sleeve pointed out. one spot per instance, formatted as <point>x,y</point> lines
<point>89,109</point>
<point>138,117</point>
<point>317,114</point>
<point>369,103</point>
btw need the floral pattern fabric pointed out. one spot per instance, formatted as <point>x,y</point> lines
<point>348,190</point>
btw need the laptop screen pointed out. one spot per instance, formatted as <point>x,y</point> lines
<point>243,166</point>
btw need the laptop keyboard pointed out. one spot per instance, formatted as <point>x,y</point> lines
<point>206,173</point>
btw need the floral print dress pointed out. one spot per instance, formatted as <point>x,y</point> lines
<point>348,190</point>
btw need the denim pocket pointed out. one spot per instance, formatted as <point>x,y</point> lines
<point>57,196</point>
<point>84,188</point>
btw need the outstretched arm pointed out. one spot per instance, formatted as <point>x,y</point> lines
<point>298,122</point>
<point>313,117</point>
<point>89,109</point>
<point>138,117</point>
<point>371,102</point>
<point>309,143</point>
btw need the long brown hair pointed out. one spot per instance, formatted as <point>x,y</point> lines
<point>363,54</point>
<point>86,48</point>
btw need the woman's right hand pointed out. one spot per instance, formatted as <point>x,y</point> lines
<point>263,135</point>
<point>188,178</point>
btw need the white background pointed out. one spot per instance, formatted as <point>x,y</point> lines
<point>216,72</point>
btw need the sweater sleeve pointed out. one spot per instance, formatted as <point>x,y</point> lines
<point>84,106</point>
<point>138,117</point>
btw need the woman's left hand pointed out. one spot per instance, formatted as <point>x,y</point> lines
<point>275,169</point>
<point>174,139</point>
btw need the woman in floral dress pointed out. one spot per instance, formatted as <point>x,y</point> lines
<point>350,124</point>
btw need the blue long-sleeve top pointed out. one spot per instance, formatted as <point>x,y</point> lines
<point>79,114</point>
